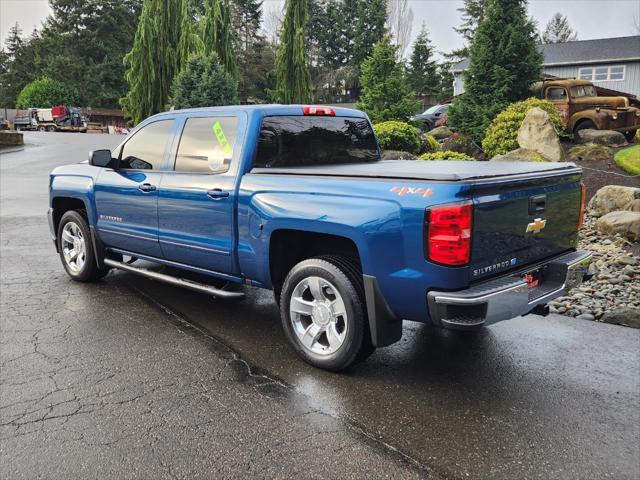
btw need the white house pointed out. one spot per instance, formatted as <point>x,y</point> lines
<point>612,63</point>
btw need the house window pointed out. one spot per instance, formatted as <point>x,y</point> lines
<point>602,74</point>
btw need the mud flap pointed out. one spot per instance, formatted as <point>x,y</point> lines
<point>385,327</point>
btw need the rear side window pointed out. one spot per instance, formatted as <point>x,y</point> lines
<point>206,145</point>
<point>145,150</point>
<point>290,141</point>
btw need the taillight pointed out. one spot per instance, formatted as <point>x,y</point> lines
<point>449,234</point>
<point>583,198</point>
<point>318,110</point>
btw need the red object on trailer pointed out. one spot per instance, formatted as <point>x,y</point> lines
<point>59,111</point>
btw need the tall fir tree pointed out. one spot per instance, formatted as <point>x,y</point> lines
<point>422,72</point>
<point>218,34</point>
<point>558,30</point>
<point>17,69</point>
<point>293,81</point>
<point>472,13</point>
<point>385,92</point>
<point>504,62</point>
<point>163,41</point>
<point>254,55</point>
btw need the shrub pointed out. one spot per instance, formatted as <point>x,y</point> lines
<point>461,143</point>
<point>394,135</point>
<point>429,143</point>
<point>203,83</point>
<point>502,135</point>
<point>446,155</point>
<point>589,152</point>
<point>44,93</point>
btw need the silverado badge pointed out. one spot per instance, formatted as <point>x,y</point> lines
<point>537,225</point>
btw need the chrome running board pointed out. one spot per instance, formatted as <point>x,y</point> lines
<point>180,282</point>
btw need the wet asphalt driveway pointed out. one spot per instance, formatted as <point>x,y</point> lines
<point>131,378</point>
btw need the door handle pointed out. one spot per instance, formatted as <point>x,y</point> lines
<point>218,193</point>
<point>147,187</point>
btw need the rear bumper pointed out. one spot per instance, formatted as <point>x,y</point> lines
<point>508,296</point>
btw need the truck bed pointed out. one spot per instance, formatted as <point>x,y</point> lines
<point>448,171</point>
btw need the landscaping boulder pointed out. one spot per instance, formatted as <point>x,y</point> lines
<point>623,222</point>
<point>589,152</point>
<point>623,316</point>
<point>610,138</point>
<point>519,155</point>
<point>397,155</point>
<point>537,133</point>
<point>614,197</point>
<point>11,138</point>
<point>440,133</point>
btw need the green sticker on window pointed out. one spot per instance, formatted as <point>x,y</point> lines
<point>222,139</point>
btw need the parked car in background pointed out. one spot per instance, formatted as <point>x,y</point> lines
<point>430,116</point>
<point>581,108</point>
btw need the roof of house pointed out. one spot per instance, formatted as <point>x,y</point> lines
<point>601,50</point>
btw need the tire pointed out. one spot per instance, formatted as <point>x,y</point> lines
<point>630,136</point>
<point>42,129</point>
<point>51,129</point>
<point>584,125</point>
<point>330,328</point>
<point>74,231</point>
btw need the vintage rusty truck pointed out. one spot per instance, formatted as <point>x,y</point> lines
<point>581,107</point>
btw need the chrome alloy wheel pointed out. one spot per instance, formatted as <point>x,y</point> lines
<point>318,315</point>
<point>74,248</point>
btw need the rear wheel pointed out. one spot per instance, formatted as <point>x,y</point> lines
<point>42,129</point>
<point>323,313</point>
<point>51,128</point>
<point>76,249</point>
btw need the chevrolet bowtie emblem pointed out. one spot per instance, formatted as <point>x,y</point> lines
<point>537,225</point>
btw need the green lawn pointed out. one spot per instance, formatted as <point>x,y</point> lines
<point>629,159</point>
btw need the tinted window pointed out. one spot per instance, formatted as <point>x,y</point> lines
<point>145,150</point>
<point>287,141</point>
<point>206,145</point>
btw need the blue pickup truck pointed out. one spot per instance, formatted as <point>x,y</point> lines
<point>297,199</point>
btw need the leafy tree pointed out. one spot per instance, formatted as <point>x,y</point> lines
<point>45,92</point>
<point>385,93</point>
<point>218,37</point>
<point>203,83</point>
<point>558,30</point>
<point>504,63</point>
<point>293,82</point>
<point>423,75</point>
<point>163,41</point>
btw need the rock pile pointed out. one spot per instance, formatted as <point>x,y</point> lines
<point>613,294</point>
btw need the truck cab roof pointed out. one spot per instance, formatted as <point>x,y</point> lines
<point>263,110</point>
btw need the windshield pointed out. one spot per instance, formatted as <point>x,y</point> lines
<point>433,109</point>
<point>584,91</point>
<point>293,141</point>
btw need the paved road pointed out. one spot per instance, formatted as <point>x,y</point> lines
<point>133,378</point>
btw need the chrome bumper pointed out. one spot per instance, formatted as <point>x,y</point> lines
<point>508,297</point>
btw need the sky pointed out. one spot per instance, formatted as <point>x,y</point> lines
<point>590,18</point>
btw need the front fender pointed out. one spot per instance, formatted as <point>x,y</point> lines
<point>77,187</point>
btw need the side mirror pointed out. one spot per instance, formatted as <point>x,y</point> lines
<point>100,158</point>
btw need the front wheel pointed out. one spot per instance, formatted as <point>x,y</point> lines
<point>323,313</point>
<point>630,136</point>
<point>76,249</point>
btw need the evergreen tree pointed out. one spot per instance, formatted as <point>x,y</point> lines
<point>504,63</point>
<point>218,36</point>
<point>17,68</point>
<point>252,50</point>
<point>385,93</point>
<point>558,30</point>
<point>445,81</point>
<point>293,82</point>
<point>422,74</point>
<point>203,83</point>
<point>472,13</point>
<point>162,43</point>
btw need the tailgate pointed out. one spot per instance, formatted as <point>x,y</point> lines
<point>517,223</point>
